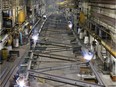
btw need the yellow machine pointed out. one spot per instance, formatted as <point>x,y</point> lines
<point>82,17</point>
<point>21,17</point>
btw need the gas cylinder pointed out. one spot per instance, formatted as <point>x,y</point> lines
<point>10,40</point>
<point>4,53</point>
<point>85,32</point>
<point>16,42</point>
<point>26,31</point>
<point>79,30</point>
<point>81,35</point>
<point>86,40</point>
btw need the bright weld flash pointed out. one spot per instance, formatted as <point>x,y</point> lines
<point>70,25</point>
<point>88,57</point>
<point>44,16</point>
<point>21,83</point>
<point>35,37</point>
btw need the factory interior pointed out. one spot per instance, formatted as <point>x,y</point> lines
<point>57,43</point>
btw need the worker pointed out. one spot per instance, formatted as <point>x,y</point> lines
<point>105,64</point>
<point>11,82</point>
<point>25,36</point>
<point>26,30</point>
<point>20,37</point>
<point>16,76</point>
<point>31,42</point>
<point>0,57</point>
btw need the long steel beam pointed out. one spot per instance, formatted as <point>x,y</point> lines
<point>59,55</point>
<point>96,74</point>
<point>59,45</point>
<point>31,57</point>
<point>63,79</point>
<point>52,57</point>
<point>59,67</point>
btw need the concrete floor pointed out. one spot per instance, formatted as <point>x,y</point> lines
<point>59,47</point>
